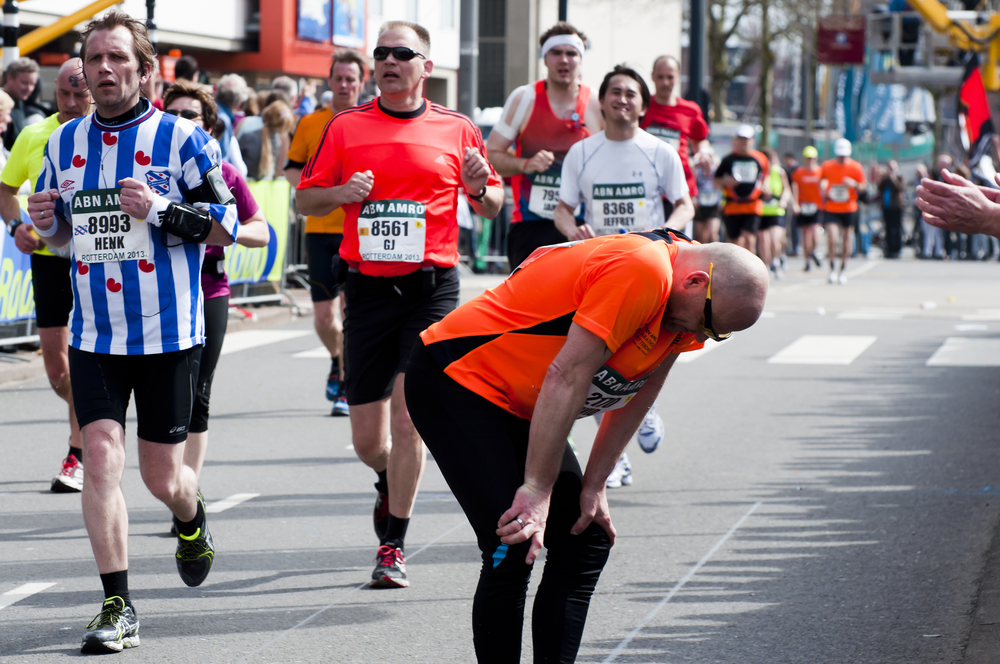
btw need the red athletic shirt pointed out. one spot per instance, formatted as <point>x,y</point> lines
<point>409,217</point>
<point>677,125</point>
<point>545,131</point>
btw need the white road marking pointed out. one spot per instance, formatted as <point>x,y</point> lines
<point>319,353</point>
<point>983,314</point>
<point>237,341</point>
<point>17,594</point>
<point>966,352</point>
<point>691,356</point>
<point>680,584</point>
<point>876,313</point>
<point>821,349</point>
<point>971,328</point>
<point>231,501</point>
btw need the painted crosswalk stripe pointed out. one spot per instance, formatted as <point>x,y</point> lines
<point>983,315</point>
<point>231,501</point>
<point>17,594</point>
<point>966,352</point>
<point>875,313</point>
<point>691,356</point>
<point>823,349</point>
<point>318,353</point>
<point>238,341</point>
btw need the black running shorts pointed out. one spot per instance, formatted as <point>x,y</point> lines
<point>737,224</point>
<point>385,316</point>
<point>323,260</point>
<point>844,219</point>
<point>524,237</point>
<point>53,290</point>
<point>706,212</point>
<point>163,384</point>
<point>807,219</point>
<point>770,221</point>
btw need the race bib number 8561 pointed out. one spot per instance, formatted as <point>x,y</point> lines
<point>392,230</point>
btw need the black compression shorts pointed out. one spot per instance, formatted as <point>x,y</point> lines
<point>385,316</point>
<point>844,219</point>
<point>737,224</point>
<point>216,321</point>
<point>53,290</point>
<point>323,260</point>
<point>163,385</point>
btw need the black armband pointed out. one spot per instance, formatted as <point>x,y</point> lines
<point>186,221</point>
<point>213,189</point>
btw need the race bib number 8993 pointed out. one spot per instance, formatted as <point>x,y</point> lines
<point>103,233</point>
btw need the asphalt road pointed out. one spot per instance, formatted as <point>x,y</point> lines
<point>815,500</point>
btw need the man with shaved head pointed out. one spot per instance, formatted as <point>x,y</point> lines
<point>49,265</point>
<point>581,328</point>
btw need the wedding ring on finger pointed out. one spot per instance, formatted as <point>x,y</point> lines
<point>518,519</point>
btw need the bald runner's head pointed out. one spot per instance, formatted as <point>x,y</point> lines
<point>72,95</point>
<point>739,288</point>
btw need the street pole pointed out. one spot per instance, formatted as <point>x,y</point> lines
<point>11,23</point>
<point>468,62</point>
<point>150,25</point>
<point>696,56</point>
<point>563,9</point>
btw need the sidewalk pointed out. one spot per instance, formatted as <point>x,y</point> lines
<point>21,366</point>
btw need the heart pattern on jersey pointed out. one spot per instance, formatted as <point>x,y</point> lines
<point>142,159</point>
<point>114,286</point>
<point>110,139</point>
<point>82,268</point>
<point>146,266</point>
<point>79,161</point>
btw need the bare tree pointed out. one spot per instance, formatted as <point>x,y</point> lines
<point>726,20</point>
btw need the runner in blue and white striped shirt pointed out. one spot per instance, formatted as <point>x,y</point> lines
<point>138,193</point>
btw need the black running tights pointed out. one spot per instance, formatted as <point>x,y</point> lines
<point>481,451</point>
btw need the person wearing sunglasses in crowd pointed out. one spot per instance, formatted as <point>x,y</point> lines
<point>620,175</point>
<point>53,289</point>
<point>395,165</point>
<point>193,102</point>
<point>579,329</point>
<point>539,123</point>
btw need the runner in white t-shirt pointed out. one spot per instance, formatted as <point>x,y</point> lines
<point>622,173</point>
<point>621,176</point>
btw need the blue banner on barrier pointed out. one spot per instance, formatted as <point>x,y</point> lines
<point>17,295</point>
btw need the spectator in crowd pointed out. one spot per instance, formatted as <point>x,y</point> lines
<point>263,99</point>
<point>789,162</point>
<point>266,148</point>
<point>19,81</point>
<point>186,69</point>
<point>36,110</point>
<point>933,235</point>
<point>892,194</point>
<point>6,106</point>
<point>231,93</point>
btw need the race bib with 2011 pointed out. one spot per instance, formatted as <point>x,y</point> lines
<point>667,135</point>
<point>620,208</point>
<point>609,391</point>
<point>392,230</point>
<point>102,232</point>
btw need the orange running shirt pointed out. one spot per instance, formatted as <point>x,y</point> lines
<point>810,198</point>
<point>749,171</point>
<point>840,197</point>
<point>500,344</point>
<point>409,217</point>
<point>303,147</point>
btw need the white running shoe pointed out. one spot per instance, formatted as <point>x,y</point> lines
<point>621,475</point>
<point>833,277</point>
<point>842,279</point>
<point>70,478</point>
<point>650,431</point>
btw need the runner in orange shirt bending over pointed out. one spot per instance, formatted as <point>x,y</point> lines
<point>842,177</point>
<point>581,328</point>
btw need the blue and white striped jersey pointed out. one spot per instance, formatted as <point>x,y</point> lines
<point>128,301</point>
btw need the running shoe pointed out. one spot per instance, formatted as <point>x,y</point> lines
<point>621,475</point>
<point>340,407</point>
<point>115,628</point>
<point>390,569</point>
<point>815,259</point>
<point>195,554</point>
<point>650,431</point>
<point>833,277</point>
<point>381,515</point>
<point>70,478</point>
<point>333,386</point>
<point>842,279</point>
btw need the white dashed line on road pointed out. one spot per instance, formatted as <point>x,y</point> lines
<point>822,349</point>
<point>231,501</point>
<point>237,341</point>
<point>966,352</point>
<point>19,593</point>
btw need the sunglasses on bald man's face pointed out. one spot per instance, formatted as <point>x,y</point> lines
<point>706,327</point>
<point>186,114</point>
<point>401,53</point>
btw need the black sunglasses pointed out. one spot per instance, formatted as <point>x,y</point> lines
<point>186,114</point>
<point>398,52</point>
<point>706,328</point>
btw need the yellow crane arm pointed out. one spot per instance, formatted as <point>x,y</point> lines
<point>42,36</point>
<point>984,37</point>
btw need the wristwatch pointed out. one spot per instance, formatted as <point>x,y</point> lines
<point>478,198</point>
<point>12,226</point>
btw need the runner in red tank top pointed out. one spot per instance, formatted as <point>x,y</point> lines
<point>541,121</point>
<point>674,120</point>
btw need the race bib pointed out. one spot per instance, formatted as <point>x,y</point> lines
<point>102,233</point>
<point>392,230</point>
<point>667,135</point>
<point>609,391</point>
<point>839,193</point>
<point>709,197</point>
<point>809,209</point>
<point>746,171</point>
<point>620,208</point>
<point>544,194</point>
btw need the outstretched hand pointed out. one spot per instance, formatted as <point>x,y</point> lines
<point>956,204</point>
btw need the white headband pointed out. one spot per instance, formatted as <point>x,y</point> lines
<point>563,40</point>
